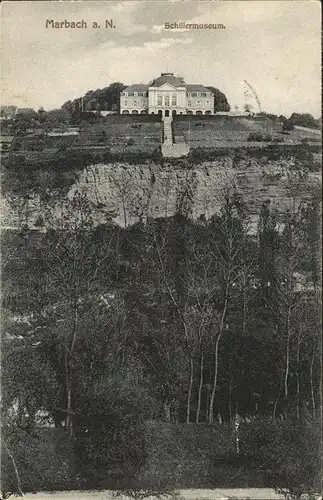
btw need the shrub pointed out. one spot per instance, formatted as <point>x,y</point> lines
<point>287,452</point>
<point>288,125</point>
<point>255,137</point>
<point>43,459</point>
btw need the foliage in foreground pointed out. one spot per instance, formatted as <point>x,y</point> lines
<point>287,452</point>
<point>170,319</point>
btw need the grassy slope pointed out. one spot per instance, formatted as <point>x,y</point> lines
<point>224,131</point>
<point>112,133</point>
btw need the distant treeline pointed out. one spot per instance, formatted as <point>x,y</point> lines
<point>108,98</point>
<point>301,119</point>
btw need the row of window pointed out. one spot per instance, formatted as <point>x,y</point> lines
<point>189,103</point>
<point>135,94</point>
<point>160,112</point>
<point>143,94</point>
<point>141,103</point>
<point>199,94</point>
<point>166,102</point>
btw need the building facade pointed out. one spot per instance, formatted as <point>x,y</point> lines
<point>167,95</point>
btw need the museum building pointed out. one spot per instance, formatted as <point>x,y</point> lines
<point>167,95</point>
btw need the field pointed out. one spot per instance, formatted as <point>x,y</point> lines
<point>119,134</point>
<point>224,131</point>
<point>143,133</point>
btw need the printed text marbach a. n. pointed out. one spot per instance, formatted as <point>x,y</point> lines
<point>81,24</point>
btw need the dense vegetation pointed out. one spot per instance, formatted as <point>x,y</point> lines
<point>301,119</point>
<point>107,98</point>
<point>168,320</point>
<point>220,100</point>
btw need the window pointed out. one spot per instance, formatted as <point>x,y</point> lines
<point>135,103</point>
<point>159,100</point>
<point>207,102</point>
<point>194,94</point>
<point>166,101</point>
<point>198,94</point>
<point>135,93</point>
<point>126,93</point>
<point>131,93</point>
<point>189,103</point>
<point>198,102</point>
<point>203,94</point>
<point>126,103</point>
<point>174,101</point>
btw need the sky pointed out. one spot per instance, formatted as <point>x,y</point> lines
<point>273,44</point>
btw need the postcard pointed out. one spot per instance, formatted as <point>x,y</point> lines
<point>160,249</point>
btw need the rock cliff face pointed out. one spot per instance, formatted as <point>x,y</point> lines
<point>133,192</point>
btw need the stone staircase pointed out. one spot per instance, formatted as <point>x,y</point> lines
<point>168,135</point>
<point>169,148</point>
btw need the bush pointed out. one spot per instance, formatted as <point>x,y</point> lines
<point>288,125</point>
<point>287,452</point>
<point>255,137</point>
<point>109,441</point>
<point>43,458</point>
<point>258,137</point>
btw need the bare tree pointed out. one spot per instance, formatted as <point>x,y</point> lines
<point>73,269</point>
<point>122,184</point>
<point>226,246</point>
<point>202,287</point>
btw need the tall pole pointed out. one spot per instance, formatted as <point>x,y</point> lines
<point>254,93</point>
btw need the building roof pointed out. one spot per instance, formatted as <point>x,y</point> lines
<point>171,80</point>
<point>137,87</point>
<point>168,78</point>
<point>197,88</point>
